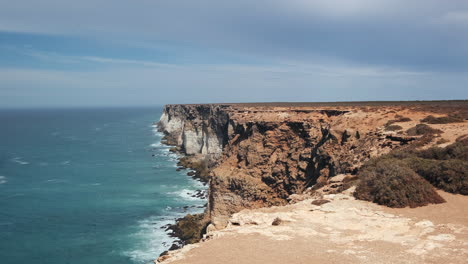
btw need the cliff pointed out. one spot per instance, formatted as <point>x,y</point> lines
<point>264,154</point>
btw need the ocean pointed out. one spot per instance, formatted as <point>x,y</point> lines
<point>88,186</point>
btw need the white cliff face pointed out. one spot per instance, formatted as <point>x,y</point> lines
<point>196,140</point>
<point>192,141</point>
<point>194,136</point>
<point>173,126</point>
<point>212,144</point>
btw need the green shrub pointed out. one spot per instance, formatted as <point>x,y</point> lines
<point>390,182</point>
<point>449,175</point>
<point>445,168</point>
<point>442,120</point>
<point>422,129</point>
<point>457,150</point>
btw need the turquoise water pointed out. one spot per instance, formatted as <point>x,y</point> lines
<point>87,186</point>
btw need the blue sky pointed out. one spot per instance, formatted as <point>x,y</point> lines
<point>59,53</point>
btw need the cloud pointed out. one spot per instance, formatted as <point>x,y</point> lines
<point>214,51</point>
<point>134,82</point>
<point>456,17</point>
<point>394,33</point>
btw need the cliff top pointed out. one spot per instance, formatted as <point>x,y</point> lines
<point>442,103</point>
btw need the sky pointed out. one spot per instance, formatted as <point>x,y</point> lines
<point>61,53</point>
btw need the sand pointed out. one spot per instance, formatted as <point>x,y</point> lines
<point>344,230</point>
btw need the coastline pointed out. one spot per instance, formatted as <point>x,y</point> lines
<point>183,164</point>
<point>269,156</point>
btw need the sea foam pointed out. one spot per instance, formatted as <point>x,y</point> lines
<point>19,161</point>
<point>153,236</point>
<point>3,180</point>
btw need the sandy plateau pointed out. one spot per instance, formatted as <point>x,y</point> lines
<point>343,230</point>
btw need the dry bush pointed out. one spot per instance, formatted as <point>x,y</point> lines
<point>320,202</point>
<point>457,150</point>
<point>449,175</point>
<point>398,119</point>
<point>393,128</point>
<point>445,168</point>
<point>277,221</point>
<point>390,182</point>
<point>422,129</point>
<point>442,141</point>
<point>442,120</point>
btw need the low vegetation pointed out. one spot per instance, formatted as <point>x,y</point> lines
<point>442,120</point>
<point>277,221</point>
<point>404,177</point>
<point>446,168</point>
<point>320,202</point>
<point>448,175</point>
<point>393,128</point>
<point>398,119</point>
<point>390,182</point>
<point>422,129</point>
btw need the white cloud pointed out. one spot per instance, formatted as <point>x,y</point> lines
<point>133,82</point>
<point>456,17</point>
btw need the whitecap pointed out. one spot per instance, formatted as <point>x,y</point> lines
<point>152,239</point>
<point>160,145</point>
<point>56,181</point>
<point>3,180</point>
<point>19,161</point>
<point>65,162</point>
<point>158,133</point>
<point>187,195</point>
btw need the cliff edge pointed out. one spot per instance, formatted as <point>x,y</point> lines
<point>260,155</point>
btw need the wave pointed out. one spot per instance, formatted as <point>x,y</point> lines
<point>19,161</point>
<point>156,132</point>
<point>153,238</point>
<point>189,195</point>
<point>156,145</point>
<point>56,181</point>
<point>3,180</point>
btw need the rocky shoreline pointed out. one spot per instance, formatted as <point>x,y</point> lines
<point>197,173</point>
<point>261,155</point>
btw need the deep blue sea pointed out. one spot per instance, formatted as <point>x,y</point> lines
<point>88,186</point>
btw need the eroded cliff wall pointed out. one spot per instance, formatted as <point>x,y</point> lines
<point>260,155</point>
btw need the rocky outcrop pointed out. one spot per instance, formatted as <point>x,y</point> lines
<point>197,129</point>
<point>259,155</point>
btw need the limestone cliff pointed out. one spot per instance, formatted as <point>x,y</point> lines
<point>261,154</point>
